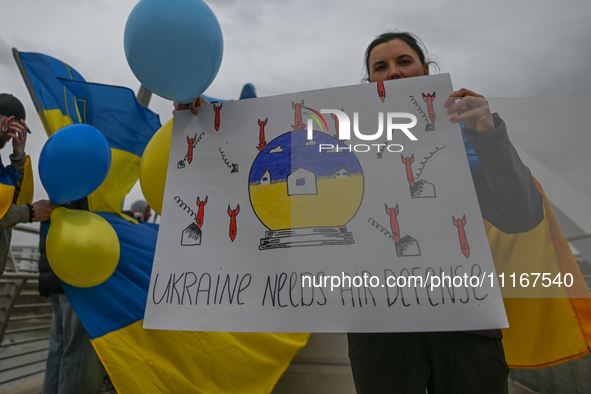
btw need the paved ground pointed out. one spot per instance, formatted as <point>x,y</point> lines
<point>34,387</point>
<point>516,388</point>
<point>322,367</point>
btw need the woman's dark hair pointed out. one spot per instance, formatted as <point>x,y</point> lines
<point>413,41</point>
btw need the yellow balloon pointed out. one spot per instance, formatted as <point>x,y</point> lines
<point>154,165</point>
<point>82,247</point>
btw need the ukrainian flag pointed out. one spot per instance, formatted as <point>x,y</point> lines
<point>138,360</point>
<point>8,182</point>
<point>159,361</point>
<point>547,325</point>
<point>63,97</point>
<point>27,190</point>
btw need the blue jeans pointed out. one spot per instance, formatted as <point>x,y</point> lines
<point>73,366</point>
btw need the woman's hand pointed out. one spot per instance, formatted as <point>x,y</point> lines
<point>472,109</point>
<point>199,101</point>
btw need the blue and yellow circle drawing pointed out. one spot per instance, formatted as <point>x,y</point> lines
<point>295,185</point>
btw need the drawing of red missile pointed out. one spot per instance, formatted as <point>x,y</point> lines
<point>408,161</point>
<point>201,211</point>
<point>299,125</point>
<point>336,126</point>
<point>460,223</point>
<point>191,142</point>
<point>429,100</point>
<point>393,212</point>
<point>233,214</point>
<point>381,91</point>
<point>217,110</point>
<point>262,142</point>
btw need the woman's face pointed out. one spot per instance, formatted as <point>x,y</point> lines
<point>395,59</point>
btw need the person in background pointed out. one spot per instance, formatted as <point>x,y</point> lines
<point>72,363</point>
<point>141,210</point>
<point>13,127</point>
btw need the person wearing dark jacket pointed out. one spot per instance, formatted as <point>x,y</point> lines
<point>13,127</point>
<point>72,363</point>
<point>462,361</point>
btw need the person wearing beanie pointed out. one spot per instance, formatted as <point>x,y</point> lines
<point>141,210</point>
<point>13,127</point>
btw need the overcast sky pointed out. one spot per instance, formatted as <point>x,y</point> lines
<point>501,48</point>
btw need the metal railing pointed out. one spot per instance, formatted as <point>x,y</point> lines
<point>25,321</point>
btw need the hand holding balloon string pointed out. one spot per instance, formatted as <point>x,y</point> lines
<point>192,106</point>
<point>42,210</point>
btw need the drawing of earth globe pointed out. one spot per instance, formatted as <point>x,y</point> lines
<point>293,184</point>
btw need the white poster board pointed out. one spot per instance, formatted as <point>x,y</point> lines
<point>256,215</point>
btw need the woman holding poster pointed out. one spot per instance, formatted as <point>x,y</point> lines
<point>449,362</point>
<point>512,205</point>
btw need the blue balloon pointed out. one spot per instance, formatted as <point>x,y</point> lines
<point>174,48</point>
<point>74,162</point>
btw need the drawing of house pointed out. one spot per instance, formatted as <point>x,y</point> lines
<point>265,178</point>
<point>341,173</point>
<point>301,181</point>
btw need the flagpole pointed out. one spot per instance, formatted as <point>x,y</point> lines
<point>30,88</point>
<point>144,96</point>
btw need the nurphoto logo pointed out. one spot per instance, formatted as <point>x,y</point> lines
<point>345,131</point>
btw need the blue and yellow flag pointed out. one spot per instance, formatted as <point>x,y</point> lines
<point>66,98</point>
<point>548,324</point>
<point>138,360</point>
<point>8,183</point>
<point>161,361</point>
<point>27,191</point>
<point>552,324</point>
